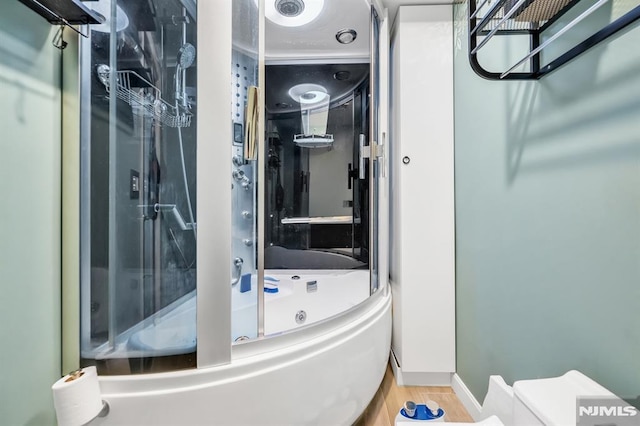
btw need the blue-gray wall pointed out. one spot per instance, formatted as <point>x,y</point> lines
<point>548,217</point>
<point>30,142</point>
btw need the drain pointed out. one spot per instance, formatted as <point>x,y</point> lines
<point>242,338</point>
<point>301,317</point>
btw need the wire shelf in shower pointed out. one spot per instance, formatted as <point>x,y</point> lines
<point>130,88</point>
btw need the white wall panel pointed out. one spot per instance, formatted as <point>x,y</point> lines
<point>423,253</point>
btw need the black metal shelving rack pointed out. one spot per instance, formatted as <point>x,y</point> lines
<point>64,12</point>
<point>499,19</point>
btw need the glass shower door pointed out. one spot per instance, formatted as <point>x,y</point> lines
<point>138,220</point>
<point>321,168</point>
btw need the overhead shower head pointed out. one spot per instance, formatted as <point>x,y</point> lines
<point>186,56</point>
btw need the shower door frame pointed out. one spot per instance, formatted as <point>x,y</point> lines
<point>377,168</point>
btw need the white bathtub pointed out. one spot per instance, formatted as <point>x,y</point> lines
<point>173,330</point>
<point>324,374</point>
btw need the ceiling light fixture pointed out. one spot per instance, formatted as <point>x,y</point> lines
<point>292,13</point>
<point>342,75</point>
<point>290,8</point>
<point>308,94</point>
<point>346,36</point>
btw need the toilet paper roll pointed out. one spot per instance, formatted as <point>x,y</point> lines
<point>76,397</point>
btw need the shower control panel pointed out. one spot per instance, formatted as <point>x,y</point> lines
<point>134,187</point>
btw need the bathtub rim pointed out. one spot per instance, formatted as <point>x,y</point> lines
<point>248,348</point>
<point>253,357</point>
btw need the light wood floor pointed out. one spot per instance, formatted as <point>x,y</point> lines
<point>390,398</point>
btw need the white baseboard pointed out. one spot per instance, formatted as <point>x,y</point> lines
<point>466,398</point>
<point>404,378</point>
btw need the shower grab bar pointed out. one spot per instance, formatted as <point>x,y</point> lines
<point>319,220</point>
<point>172,211</point>
<point>365,152</point>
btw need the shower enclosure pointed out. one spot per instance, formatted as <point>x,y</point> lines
<point>233,187</point>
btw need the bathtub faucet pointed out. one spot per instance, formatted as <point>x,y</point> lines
<point>237,262</point>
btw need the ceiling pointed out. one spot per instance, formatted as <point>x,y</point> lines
<point>310,53</point>
<point>317,39</point>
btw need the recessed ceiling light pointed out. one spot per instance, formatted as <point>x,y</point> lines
<point>290,8</point>
<point>342,75</point>
<point>292,13</point>
<point>346,36</point>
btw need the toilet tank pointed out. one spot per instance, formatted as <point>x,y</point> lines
<point>552,402</point>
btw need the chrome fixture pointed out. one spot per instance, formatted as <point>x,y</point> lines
<point>237,263</point>
<point>186,56</point>
<point>185,59</point>
<point>239,175</point>
<point>301,317</point>
<point>170,210</point>
<point>247,242</point>
<point>312,286</point>
<point>237,160</point>
<point>246,215</point>
<point>346,36</point>
<point>103,72</point>
<point>290,8</point>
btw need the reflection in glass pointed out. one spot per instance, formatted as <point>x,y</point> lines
<point>138,196</point>
<point>316,200</point>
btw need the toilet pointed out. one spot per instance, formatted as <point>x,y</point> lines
<point>543,402</point>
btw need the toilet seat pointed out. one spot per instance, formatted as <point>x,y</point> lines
<point>552,401</point>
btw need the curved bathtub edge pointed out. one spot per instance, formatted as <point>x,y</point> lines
<point>327,379</point>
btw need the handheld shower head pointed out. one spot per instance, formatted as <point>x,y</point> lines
<point>186,56</point>
<point>185,59</point>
